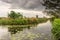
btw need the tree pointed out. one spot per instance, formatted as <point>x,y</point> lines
<point>21,16</point>
<point>52,7</point>
<point>14,15</point>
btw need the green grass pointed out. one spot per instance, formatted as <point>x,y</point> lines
<point>56,29</point>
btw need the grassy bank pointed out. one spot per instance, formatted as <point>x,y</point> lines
<point>24,21</point>
<point>56,29</point>
<point>16,25</point>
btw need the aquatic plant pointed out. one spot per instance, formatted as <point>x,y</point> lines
<point>25,36</point>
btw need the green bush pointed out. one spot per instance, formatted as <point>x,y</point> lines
<point>21,21</point>
<point>56,29</point>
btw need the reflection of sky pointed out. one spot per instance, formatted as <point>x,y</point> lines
<point>3,31</point>
<point>4,9</point>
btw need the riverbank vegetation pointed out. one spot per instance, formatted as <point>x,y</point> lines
<point>23,21</point>
<point>16,18</point>
<point>56,29</point>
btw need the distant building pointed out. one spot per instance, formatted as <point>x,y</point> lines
<point>36,16</point>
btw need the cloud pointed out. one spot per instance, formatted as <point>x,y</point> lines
<point>25,4</point>
<point>30,13</point>
<point>6,5</point>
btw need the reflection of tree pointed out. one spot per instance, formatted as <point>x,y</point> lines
<point>15,29</point>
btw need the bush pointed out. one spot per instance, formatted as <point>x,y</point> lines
<point>21,21</point>
<point>56,29</point>
<point>41,20</point>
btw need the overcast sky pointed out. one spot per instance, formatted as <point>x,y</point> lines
<point>27,7</point>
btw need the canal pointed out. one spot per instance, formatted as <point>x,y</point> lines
<point>39,32</point>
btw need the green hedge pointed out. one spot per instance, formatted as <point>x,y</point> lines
<point>21,21</point>
<point>56,29</point>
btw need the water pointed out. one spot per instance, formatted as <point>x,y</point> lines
<point>40,32</point>
<point>4,34</point>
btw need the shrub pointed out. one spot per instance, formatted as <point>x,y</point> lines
<point>21,21</point>
<point>56,29</point>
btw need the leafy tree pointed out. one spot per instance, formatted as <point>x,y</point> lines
<point>14,15</point>
<point>52,7</point>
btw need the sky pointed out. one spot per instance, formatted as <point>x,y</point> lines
<point>29,8</point>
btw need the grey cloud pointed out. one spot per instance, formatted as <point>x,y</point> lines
<point>26,4</point>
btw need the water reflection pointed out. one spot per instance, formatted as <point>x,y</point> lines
<point>4,34</point>
<point>40,32</point>
<point>26,32</point>
<point>14,29</point>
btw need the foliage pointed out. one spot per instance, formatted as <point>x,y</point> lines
<point>22,21</point>
<point>14,15</point>
<point>56,29</point>
<point>52,4</point>
<point>52,19</point>
<point>52,7</point>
